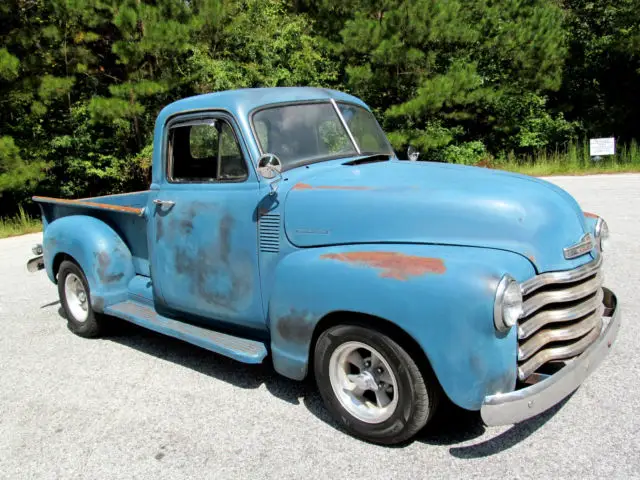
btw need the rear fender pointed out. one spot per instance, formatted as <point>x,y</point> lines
<point>101,253</point>
<point>441,296</point>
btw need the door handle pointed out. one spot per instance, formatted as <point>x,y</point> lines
<point>164,203</point>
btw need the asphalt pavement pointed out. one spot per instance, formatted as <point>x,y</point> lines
<point>140,405</point>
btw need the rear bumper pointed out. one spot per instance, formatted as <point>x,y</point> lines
<point>519,405</point>
<point>35,264</point>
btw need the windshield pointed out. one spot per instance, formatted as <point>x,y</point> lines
<point>312,132</point>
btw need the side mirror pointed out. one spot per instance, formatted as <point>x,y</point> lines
<point>412,153</point>
<point>269,167</point>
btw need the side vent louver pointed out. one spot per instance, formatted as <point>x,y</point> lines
<point>269,231</point>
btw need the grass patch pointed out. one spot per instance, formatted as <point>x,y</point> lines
<point>19,224</point>
<point>575,160</point>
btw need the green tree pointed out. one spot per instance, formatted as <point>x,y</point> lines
<point>441,71</point>
<point>81,81</point>
<point>253,43</point>
<point>602,73</point>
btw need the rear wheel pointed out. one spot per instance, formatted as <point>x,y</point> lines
<point>75,298</point>
<point>371,384</point>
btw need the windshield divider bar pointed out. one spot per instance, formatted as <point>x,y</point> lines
<point>346,127</point>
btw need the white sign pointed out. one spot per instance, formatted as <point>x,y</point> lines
<point>602,146</point>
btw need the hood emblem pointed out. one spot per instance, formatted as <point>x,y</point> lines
<point>585,245</point>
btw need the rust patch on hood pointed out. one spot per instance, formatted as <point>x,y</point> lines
<point>306,186</point>
<point>302,186</point>
<point>393,264</point>
<point>590,215</point>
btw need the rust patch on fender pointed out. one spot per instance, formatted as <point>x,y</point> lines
<point>393,264</point>
<point>295,327</point>
<point>306,186</point>
<point>104,260</point>
<point>590,215</point>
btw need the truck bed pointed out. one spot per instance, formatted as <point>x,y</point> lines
<point>123,212</point>
<point>125,202</point>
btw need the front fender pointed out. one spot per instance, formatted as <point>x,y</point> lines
<point>101,253</point>
<point>442,296</point>
<point>590,220</point>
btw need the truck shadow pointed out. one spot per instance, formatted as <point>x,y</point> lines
<point>452,425</point>
<point>455,425</point>
<point>208,363</point>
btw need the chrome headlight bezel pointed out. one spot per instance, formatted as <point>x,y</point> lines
<point>601,233</point>
<point>507,306</point>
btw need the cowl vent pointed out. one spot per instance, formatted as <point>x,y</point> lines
<point>269,233</point>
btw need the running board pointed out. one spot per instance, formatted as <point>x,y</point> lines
<point>238,348</point>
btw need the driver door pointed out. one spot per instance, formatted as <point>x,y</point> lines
<point>204,233</point>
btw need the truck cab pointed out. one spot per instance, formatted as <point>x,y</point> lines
<point>281,225</point>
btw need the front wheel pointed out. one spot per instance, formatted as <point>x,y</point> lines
<point>75,298</point>
<point>371,384</point>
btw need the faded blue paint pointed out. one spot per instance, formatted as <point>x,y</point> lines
<point>204,252</point>
<point>141,290</point>
<point>253,351</point>
<point>204,248</point>
<point>239,104</point>
<point>133,199</point>
<point>131,228</point>
<point>434,203</point>
<point>590,223</point>
<point>201,259</point>
<point>100,252</point>
<point>449,314</point>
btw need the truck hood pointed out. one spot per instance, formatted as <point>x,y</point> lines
<point>422,202</point>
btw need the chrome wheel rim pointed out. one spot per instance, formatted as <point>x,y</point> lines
<point>77,298</point>
<point>363,382</point>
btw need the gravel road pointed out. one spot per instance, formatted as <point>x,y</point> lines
<point>139,405</point>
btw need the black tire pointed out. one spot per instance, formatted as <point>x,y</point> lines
<point>418,391</point>
<point>92,326</point>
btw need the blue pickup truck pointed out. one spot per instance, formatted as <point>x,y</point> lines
<point>279,223</point>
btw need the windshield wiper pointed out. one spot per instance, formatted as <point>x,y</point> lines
<point>376,157</point>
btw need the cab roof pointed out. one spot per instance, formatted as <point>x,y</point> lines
<point>242,101</point>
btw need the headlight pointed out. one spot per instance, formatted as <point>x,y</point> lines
<point>507,307</point>
<point>602,234</point>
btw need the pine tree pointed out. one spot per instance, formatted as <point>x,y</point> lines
<point>439,71</point>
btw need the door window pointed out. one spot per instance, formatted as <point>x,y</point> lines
<point>205,151</point>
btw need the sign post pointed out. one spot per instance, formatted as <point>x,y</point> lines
<point>599,147</point>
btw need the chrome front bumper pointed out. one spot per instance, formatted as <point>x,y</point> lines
<point>519,405</point>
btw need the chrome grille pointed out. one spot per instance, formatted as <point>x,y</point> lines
<point>562,316</point>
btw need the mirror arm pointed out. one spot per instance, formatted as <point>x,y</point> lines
<point>273,183</point>
<point>274,186</point>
